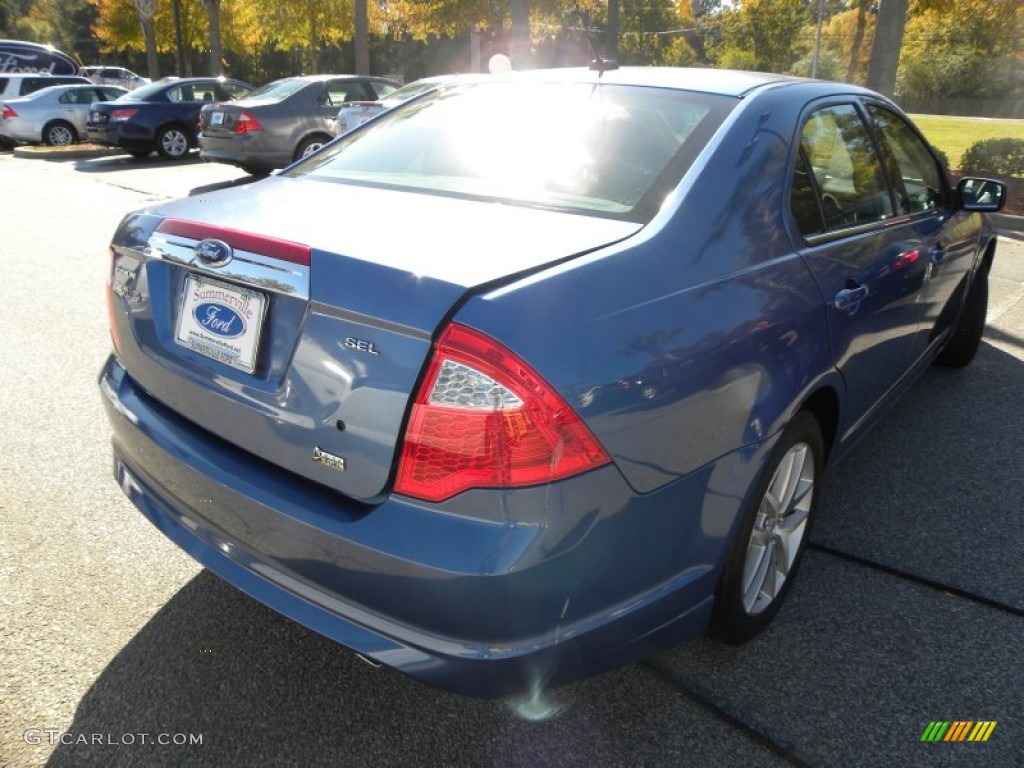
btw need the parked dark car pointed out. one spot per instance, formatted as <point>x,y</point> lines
<point>283,121</point>
<point>161,116</point>
<point>502,402</point>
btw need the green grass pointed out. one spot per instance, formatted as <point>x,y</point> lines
<point>953,135</point>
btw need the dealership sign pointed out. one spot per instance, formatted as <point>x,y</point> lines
<point>17,56</point>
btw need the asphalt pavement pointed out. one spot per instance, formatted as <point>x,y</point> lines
<point>909,608</point>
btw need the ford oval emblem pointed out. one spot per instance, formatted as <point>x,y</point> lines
<point>214,253</point>
<point>219,320</point>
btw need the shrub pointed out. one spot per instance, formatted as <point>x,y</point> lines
<point>997,157</point>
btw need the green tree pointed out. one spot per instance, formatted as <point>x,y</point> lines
<point>766,35</point>
<point>964,48</point>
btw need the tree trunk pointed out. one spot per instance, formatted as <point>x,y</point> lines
<point>151,60</point>
<point>213,14</point>
<point>520,48</point>
<point>885,50</point>
<point>362,41</point>
<point>179,48</point>
<point>611,40</point>
<point>858,39</point>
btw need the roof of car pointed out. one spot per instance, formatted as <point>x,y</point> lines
<point>721,81</point>
<point>342,75</point>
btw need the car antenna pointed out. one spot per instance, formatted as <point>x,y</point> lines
<point>599,63</point>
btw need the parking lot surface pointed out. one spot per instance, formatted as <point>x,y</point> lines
<point>117,649</point>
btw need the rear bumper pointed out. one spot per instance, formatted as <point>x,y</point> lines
<point>246,151</point>
<point>125,135</point>
<point>481,608</point>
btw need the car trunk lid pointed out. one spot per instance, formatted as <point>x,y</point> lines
<point>305,346</point>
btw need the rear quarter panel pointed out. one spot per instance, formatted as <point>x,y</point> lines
<point>698,336</point>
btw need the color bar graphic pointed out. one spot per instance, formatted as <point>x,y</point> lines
<point>958,730</point>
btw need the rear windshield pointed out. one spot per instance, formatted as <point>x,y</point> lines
<point>145,93</point>
<point>606,150</point>
<point>277,90</point>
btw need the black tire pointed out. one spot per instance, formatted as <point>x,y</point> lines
<point>966,338</point>
<point>255,170</point>
<point>173,142</point>
<point>760,570</point>
<point>60,133</point>
<point>309,145</point>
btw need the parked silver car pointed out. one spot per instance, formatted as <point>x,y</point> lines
<point>283,121</point>
<point>54,115</point>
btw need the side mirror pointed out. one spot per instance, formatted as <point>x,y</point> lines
<point>984,195</point>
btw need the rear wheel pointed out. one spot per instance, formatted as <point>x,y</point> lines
<point>966,338</point>
<point>309,146</point>
<point>772,536</point>
<point>172,142</point>
<point>60,134</point>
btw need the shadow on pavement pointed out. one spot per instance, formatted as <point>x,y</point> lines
<point>124,162</point>
<point>856,665</point>
<point>261,690</point>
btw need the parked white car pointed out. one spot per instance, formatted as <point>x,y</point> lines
<point>355,113</point>
<point>54,115</point>
<point>114,76</point>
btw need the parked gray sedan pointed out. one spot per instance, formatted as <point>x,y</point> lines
<point>54,115</point>
<point>283,121</point>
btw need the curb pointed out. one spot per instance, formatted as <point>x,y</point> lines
<point>1008,225</point>
<point>80,152</point>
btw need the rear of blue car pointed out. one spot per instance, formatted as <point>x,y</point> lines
<point>497,403</point>
<point>298,402</point>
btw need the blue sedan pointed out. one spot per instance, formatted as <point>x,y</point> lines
<point>501,403</point>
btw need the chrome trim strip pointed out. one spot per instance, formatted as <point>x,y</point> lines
<point>248,268</point>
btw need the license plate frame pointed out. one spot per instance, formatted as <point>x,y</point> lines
<point>216,118</point>
<point>221,321</point>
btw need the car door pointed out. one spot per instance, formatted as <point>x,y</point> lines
<point>949,236</point>
<point>74,106</point>
<point>869,262</point>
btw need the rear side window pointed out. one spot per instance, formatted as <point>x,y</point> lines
<point>180,94</point>
<point>235,90</point>
<point>840,171</point>
<point>340,91</point>
<point>919,182</point>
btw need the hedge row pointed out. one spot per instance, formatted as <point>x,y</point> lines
<point>994,157</point>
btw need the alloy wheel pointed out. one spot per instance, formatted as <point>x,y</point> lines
<point>778,529</point>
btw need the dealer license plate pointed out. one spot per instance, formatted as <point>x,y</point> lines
<point>221,321</point>
<point>216,118</point>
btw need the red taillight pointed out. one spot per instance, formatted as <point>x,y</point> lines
<point>483,418</point>
<point>122,114</point>
<point>7,112</point>
<point>115,335</point>
<point>247,123</point>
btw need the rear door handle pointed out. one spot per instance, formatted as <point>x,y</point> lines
<point>850,297</point>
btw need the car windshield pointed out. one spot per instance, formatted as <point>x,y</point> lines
<point>277,90</point>
<point>609,150</point>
